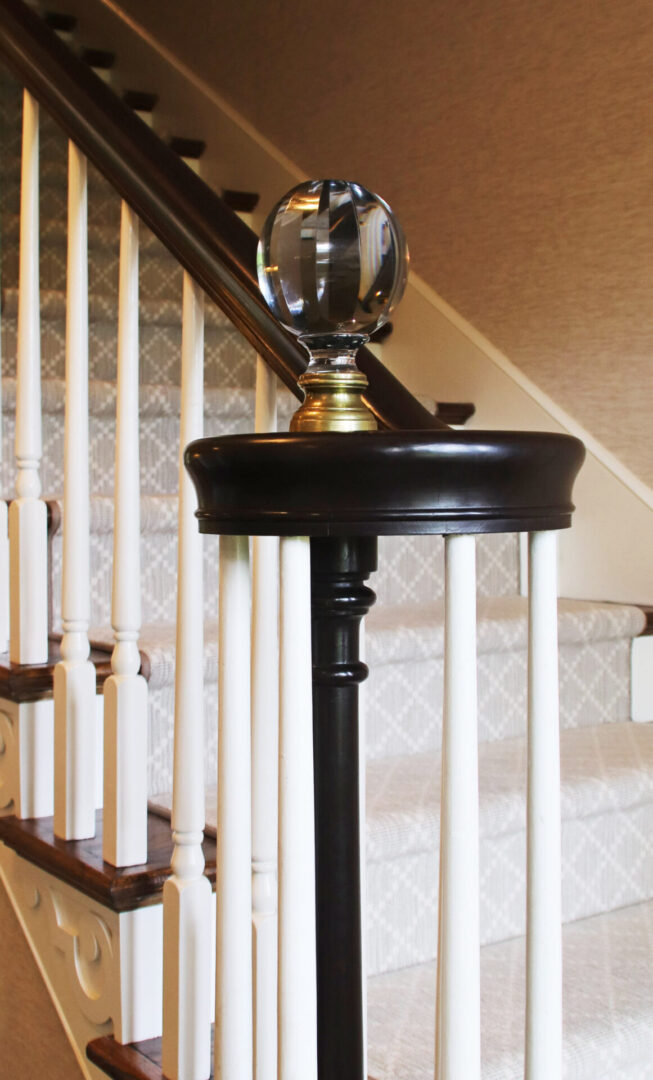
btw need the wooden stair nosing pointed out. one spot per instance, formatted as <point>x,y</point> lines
<point>132,1061</point>
<point>98,58</point>
<point>188,148</point>
<point>57,20</point>
<point>33,682</point>
<point>455,412</point>
<point>79,863</point>
<point>241,202</point>
<point>141,100</point>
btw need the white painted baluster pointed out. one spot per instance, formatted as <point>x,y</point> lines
<point>297,965</point>
<point>187,893</point>
<point>233,1005</point>
<point>544,929</point>
<point>458,1051</point>
<point>125,691</point>
<point>265,730</point>
<point>28,538</point>
<point>74,675</point>
<point>265,415</point>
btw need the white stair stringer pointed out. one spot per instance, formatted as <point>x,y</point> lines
<point>102,969</point>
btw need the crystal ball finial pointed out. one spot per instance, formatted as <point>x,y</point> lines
<point>332,263</point>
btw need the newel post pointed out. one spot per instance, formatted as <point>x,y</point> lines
<point>343,247</point>
<point>340,599</point>
<point>331,260</point>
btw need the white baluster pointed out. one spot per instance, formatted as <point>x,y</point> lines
<point>265,732</point>
<point>28,537</point>
<point>265,412</point>
<point>233,1006</point>
<point>187,893</point>
<point>297,964</point>
<point>458,1052</point>
<point>544,930</point>
<point>74,675</point>
<point>125,691</point>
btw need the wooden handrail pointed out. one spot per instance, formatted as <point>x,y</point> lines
<point>196,226</point>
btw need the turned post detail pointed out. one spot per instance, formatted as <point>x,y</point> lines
<point>340,599</point>
<point>332,262</point>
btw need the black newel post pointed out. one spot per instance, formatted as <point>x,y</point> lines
<point>340,599</point>
<point>332,262</point>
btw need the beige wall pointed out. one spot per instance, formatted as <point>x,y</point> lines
<point>513,137</point>
<point>32,1041</point>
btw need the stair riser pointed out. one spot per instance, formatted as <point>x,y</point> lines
<point>158,578</point>
<point>103,206</point>
<point>411,568</point>
<point>607,863</point>
<point>404,700</point>
<point>159,449</point>
<point>228,359</point>
<point>160,276</point>
<point>574,712</point>
<point>161,703</point>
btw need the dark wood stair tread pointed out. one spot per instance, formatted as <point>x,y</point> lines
<point>188,148</point>
<point>241,202</point>
<point>140,100</point>
<point>33,682</point>
<point>98,58</point>
<point>56,20</point>
<point>79,862</point>
<point>455,412</point>
<point>134,1061</point>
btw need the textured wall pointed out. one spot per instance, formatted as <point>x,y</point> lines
<point>514,139</point>
<point>32,1041</point>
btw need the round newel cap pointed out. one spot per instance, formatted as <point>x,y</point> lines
<point>381,483</point>
<point>332,261</point>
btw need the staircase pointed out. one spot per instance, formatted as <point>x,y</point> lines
<point>606,760</point>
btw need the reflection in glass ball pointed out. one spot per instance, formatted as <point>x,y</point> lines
<point>332,263</point>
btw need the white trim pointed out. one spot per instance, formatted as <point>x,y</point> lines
<point>204,88</point>
<point>605,456</point>
<point>80,1054</point>
<point>444,309</point>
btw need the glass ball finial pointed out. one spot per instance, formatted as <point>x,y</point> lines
<point>332,263</point>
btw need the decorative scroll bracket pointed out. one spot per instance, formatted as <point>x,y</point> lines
<point>103,968</point>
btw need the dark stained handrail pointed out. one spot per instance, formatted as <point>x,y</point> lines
<point>203,234</point>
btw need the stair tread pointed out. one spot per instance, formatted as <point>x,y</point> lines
<point>157,646</point>
<point>413,631</point>
<point>80,862</point>
<point>608,767</point>
<point>579,621</point>
<point>608,1006</point>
